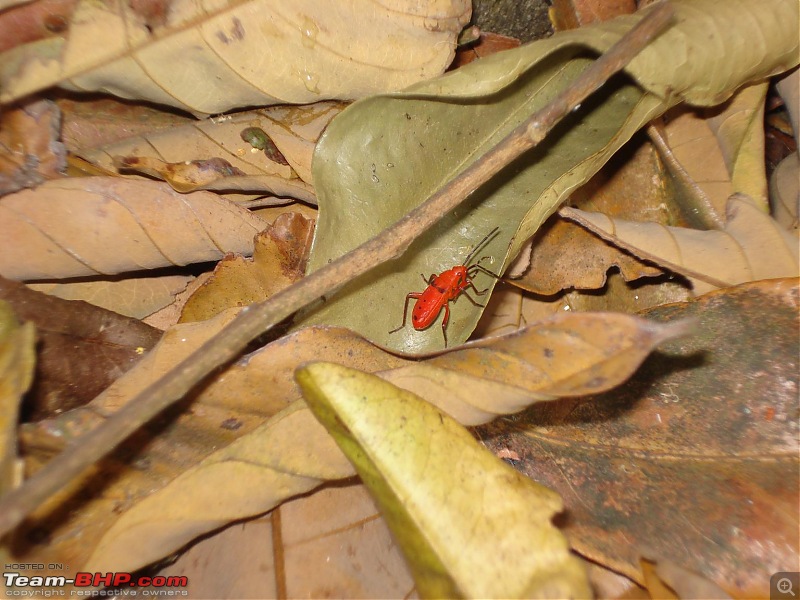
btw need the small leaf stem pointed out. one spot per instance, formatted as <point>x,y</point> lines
<point>258,318</point>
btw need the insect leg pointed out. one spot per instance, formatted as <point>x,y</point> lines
<point>409,297</point>
<point>444,322</point>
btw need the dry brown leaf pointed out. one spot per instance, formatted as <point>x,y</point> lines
<point>567,355</point>
<point>294,131</point>
<point>236,402</point>
<point>255,52</point>
<point>566,256</point>
<point>96,122</point>
<point>17,362</point>
<point>30,152</point>
<point>696,460</point>
<point>571,14</point>
<point>279,260</point>
<point>136,297</point>
<point>331,544</point>
<point>487,44</point>
<point>90,226</point>
<point>713,153</point>
<point>81,348</point>
<point>291,453</point>
<point>751,247</point>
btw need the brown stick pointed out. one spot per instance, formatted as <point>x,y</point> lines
<point>256,319</point>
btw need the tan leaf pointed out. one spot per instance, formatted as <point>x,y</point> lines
<point>136,297</point>
<point>77,227</point>
<point>697,458</point>
<point>713,153</point>
<point>278,261</point>
<point>567,355</point>
<point>785,192</point>
<point>96,122</point>
<point>30,152</point>
<point>752,246</point>
<point>297,551</point>
<point>294,131</point>
<point>255,52</point>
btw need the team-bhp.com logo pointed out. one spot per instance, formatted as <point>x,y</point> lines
<point>89,584</point>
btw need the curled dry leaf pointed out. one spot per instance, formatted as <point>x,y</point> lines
<point>385,155</point>
<point>184,176</point>
<point>567,355</point>
<point>568,257</point>
<point>713,153</point>
<point>293,131</point>
<point>563,256</point>
<point>255,52</point>
<point>279,259</point>
<point>88,226</point>
<point>751,247</point>
<point>468,524</point>
<point>785,192</point>
<point>30,152</point>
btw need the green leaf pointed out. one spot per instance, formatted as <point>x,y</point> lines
<point>468,524</point>
<point>384,155</point>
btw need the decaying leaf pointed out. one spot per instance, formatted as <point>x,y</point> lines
<point>426,472</point>
<point>751,247</point>
<point>402,147</point>
<point>89,226</point>
<point>184,176</point>
<point>256,52</point>
<point>293,131</point>
<point>81,348</point>
<point>30,150</point>
<point>279,257</point>
<point>696,459</point>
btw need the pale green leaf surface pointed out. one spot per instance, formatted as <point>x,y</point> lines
<point>469,525</point>
<point>384,155</point>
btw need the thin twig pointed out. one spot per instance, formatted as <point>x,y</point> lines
<point>258,318</point>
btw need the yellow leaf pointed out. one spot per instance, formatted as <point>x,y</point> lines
<point>468,524</point>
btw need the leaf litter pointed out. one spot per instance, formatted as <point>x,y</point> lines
<point>225,427</point>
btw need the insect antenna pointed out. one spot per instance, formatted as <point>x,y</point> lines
<point>482,244</point>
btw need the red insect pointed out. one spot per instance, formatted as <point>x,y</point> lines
<point>446,287</point>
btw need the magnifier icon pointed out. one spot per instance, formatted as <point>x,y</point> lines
<point>785,586</point>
